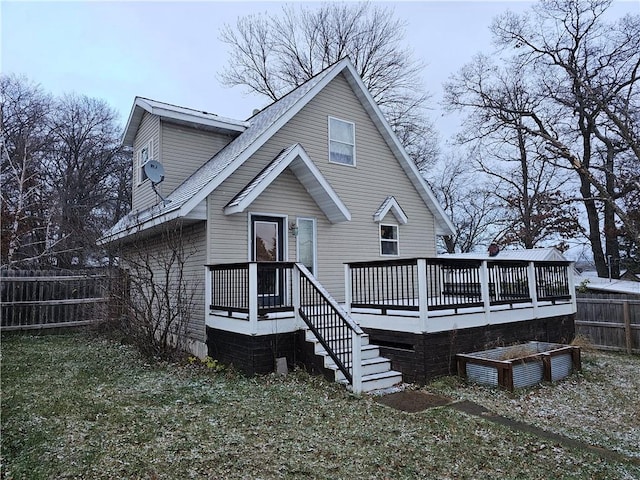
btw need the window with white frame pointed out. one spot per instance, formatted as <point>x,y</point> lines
<point>389,240</point>
<point>144,155</point>
<point>342,142</point>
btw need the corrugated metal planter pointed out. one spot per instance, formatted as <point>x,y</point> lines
<point>520,366</point>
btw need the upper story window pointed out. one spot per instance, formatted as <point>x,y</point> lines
<point>342,142</point>
<point>144,155</point>
<point>389,240</point>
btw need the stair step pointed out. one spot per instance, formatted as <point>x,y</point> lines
<point>379,381</point>
<point>370,366</point>
<point>368,351</point>
<point>309,336</point>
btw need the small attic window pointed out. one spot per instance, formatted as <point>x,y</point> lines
<point>389,241</point>
<point>342,142</point>
<point>144,155</point>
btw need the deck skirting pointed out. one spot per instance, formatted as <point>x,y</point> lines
<point>422,357</point>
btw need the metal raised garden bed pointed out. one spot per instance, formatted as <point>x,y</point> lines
<point>521,365</point>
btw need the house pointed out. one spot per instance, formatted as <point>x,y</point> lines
<point>625,285</point>
<point>315,235</point>
<point>545,254</point>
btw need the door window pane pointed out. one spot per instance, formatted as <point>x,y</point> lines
<point>266,241</point>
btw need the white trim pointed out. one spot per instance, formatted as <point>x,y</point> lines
<point>314,239</point>
<point>396,240</point>
<point>329,140</point>
<point>390,204</point>
<point>316,185</point>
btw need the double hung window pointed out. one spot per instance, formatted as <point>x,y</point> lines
<point>342,142</point>
<point>389,240</point>
<point>144,155</point>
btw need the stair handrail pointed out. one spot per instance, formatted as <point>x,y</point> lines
<point>354,377</point>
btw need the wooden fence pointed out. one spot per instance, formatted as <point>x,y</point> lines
<point>53,299</point>
<point>610,322</point>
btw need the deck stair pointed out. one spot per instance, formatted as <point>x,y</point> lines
<point>334,334</point>
<point>376,370</point>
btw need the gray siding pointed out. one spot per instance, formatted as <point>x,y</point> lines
<point>195,239</point>
<point>184,150</point>
<point>142,195</point>
<point>362,188</point>
<point>155,251</point>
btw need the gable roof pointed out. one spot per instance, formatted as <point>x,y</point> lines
<point>296,158</point>
<point>180,115</point>
<point>261,127</point>
<point>390,204</point>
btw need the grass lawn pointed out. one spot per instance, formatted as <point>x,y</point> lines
<point>76,406</point>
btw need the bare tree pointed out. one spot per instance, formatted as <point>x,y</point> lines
<point>25,140</point>
<point>581,74</point>
<point>64,176</point>
<point>471,204</point>
<point>84,161</point>
<point>272,54</point>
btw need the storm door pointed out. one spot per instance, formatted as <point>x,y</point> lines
<point>267,238</point>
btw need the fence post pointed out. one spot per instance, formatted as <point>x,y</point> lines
<point>484,289</point>
<point>253,298</point>
<point>423,296</point>
<point>533,287</point>
<point>348,293</point>
<point>627,327</point>
<point>356,362</point>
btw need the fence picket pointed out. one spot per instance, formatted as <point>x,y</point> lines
<point>46,299</point>
<point>610,322</point>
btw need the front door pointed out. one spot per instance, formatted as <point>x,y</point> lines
<point>267,234</point>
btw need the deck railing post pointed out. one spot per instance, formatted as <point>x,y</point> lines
<point>348,293</point>
<point>484,289</point>
<point>295,295</point>
<point>356,365</point>
<point>572,287</point>
<point>253,298</point>
<point>207,291</point>
<point>423,296</point>
<point>533,287</point>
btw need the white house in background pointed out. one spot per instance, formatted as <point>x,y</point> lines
<point>529,255</point>
<point>315,237</point>
<point>591,281</point>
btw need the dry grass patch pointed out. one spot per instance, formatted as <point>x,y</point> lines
<point>598,405</point>
<point>81,407</point>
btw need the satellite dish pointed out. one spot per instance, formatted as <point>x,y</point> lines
<point>154,171</point>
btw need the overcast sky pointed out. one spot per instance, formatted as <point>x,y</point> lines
<point>170,51</point>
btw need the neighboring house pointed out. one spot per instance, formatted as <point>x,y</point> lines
<point>530,255</point>
<point>287,210</point>
<point>590,281</point>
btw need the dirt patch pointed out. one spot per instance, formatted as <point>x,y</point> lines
<point>412,401</point>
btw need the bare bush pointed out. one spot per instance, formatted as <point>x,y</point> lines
<point>158,299</point>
